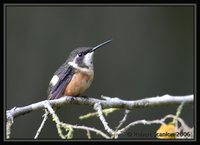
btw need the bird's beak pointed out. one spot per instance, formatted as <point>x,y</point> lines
<point>98,46</point>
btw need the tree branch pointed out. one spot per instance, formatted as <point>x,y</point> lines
<point>98,108</point>
<point>108,103</point>
<point>68,127</point>
<point>123,119</point>
<point>42,124</point>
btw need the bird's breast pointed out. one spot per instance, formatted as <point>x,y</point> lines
<point>79,83</point>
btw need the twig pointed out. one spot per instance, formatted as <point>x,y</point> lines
<point>139,122</point>
<point>124,119</point>
<point>105,112</point>
<point>92,129</point>
<point>98,108</point>
<point>88,134</point>
<point>178,112</point>
<point>9,123</point>
<point>68,127</point>
<point>42,124</point>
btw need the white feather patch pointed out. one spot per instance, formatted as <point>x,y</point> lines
<point>74,65</point>
<point>88,59</point>
<point>54,80</point>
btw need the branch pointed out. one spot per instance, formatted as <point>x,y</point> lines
<point>98,105</point>
<point>105,112</point>
<point>108,103</point>
<point>139,122</point>
<point>98,108</point>
<point>42,124</point>
<point>68,127</point>
<point>123,119</point>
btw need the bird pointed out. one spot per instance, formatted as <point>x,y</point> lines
<point>75,75</point>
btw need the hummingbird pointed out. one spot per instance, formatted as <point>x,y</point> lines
<point>75,75</point>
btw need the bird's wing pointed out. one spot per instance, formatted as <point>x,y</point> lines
<point>64,74</point>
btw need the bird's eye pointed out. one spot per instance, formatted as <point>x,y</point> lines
<point>80,54</point>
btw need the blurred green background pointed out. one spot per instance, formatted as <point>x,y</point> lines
<point>151,55</point>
